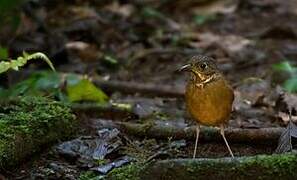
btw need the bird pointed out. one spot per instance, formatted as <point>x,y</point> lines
<point>209,96</point>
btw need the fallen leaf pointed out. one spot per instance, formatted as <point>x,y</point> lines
<point>90,149</point>
<point>82,12</point>
<point>292,6</point>
<point>285,140</point>
<point>286,118</point>
<point>85,90</point>
<point>104,169</point>
<point>230,43</point>
<point>214,7</point>
<point>88,53</point>
<point>249,92</point>
<point>124,10</point>
<point>286,102</point>
<point>291,100</point>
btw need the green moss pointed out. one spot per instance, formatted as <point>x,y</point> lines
<point>101,162</point>
<point>255,167</point>
<point>264,166</point>
<point>128,172</point>
<point>277,166</point>
<point>26,124</point>
<point>89,175</point>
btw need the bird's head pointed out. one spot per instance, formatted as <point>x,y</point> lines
<point>202,67</point>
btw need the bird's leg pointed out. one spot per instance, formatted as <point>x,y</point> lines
<point>223,135</point>
<point>196,141</point>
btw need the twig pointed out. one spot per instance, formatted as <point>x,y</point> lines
<point>110,111</point>
<point>133,87</point>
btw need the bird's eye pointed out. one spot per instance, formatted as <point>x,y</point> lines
<point>203,66</point>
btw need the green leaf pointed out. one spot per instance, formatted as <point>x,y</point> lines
<point>3,53</point>
<point>39,55</point>
<point>37,84</point>
<point>86,91</point>
<point>10,13</point>
<point>22,60</point>
<point>110,62</point>
<point>9,6</point>
<point>20,88</point>
<point>291,85</point>
<point>284,66</point>
<point>72,79</point>
<point>47,81</point>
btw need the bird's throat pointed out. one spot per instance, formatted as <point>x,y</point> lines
<point>202,79</point>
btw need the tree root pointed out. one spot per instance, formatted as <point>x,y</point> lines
<point>165,130</point>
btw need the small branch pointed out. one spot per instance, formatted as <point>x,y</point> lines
<point>107,111</point>
<point>133,87</point>
<point>100,107</point>
<point>163,131</point>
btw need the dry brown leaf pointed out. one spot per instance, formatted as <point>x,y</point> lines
<point>291,100</point>
<point>230,43</point>
<point>87,53</point>
<point>286,118</point>
<point>81,12</point>
<point>123,10</point>
<point>292,6</point>
<point>249,93</point>
<point>214,7</point>
<point>285,140</point>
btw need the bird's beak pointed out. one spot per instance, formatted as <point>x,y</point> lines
<point>186,67</point>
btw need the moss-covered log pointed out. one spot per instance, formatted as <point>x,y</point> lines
<point>106,111</point>
<point>27,124</point>
<point>255,167</point>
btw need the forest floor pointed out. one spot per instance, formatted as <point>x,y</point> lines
<point>144,43</point>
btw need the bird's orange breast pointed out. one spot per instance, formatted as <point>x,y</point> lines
<point>211,104</point>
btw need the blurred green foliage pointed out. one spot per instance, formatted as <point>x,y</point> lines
<point>9,12</point>
<point>67,88</point>
<point>3,53</point>
<point>110,62</point>
<point>9,5</point>
<point>290,83</point>
<point>89,175</point>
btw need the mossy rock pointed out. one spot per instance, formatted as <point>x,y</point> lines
<point>29,123</point>
<point>254,167</point>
